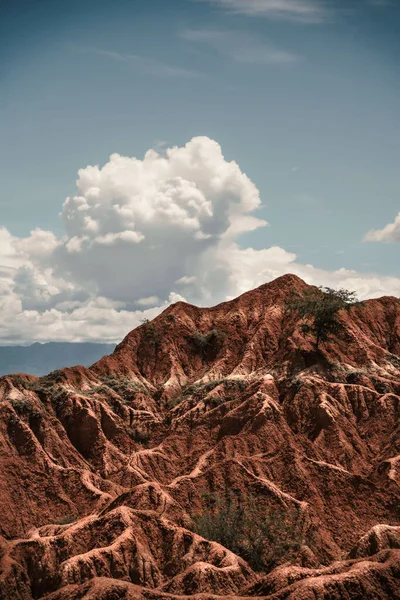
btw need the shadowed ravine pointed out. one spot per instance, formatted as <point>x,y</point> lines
<point>108,471</point>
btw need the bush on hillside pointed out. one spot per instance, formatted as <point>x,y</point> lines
<point>263,539</point>
<point>207,345</point>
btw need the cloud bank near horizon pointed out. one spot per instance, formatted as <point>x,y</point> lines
<point>141,234</point>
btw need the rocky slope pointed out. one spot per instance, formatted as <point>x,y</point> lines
<point>107,474</point>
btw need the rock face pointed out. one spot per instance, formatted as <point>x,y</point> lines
<point>108,473</point>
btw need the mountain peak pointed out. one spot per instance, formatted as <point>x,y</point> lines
<point>283,285</point>
<point>254,333</point>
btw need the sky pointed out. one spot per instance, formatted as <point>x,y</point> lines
<point>156,151</point>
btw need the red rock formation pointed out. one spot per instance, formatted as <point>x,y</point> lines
<point>103,470</point>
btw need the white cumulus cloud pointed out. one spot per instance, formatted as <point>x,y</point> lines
<point>136,226</point>
<point>389,233</point>
<point>141,234</point>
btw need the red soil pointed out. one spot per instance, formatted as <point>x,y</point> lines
<point>125,453</point>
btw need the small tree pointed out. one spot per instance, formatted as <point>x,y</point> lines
<point>319,309</point>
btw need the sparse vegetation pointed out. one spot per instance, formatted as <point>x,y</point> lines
<point>66,520</point>
<point>150,333</point>
<point>319,308</point>
<point>44,386</point>
<point>125,387</point>
<point>192,389</point>
<point>24,407</point>
<point>214,401</point>
<point>201,389</point>
<point>27,384</point>
<point>394,360</point>
<point>296,383</point>
<point>207,345</point>
<point>175,400</point>
<point>208,386</point>
<point>336,372</point>
<point>263,539</point>
<point>235,384</point>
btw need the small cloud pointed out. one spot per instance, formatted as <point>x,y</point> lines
<point>339,252</point>
<point>149,301</point>
<point>146,64</point>
<point>379,3</point>
<point>174,297</point>
<point>186,280</point>
<point>295,169</point>
<point>303,11</point>
<point>389,233</point>
<point>160,144</point>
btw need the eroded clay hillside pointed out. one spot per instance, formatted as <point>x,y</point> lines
<point>112,477</point>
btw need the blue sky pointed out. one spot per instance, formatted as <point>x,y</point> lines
<point>304,95</point>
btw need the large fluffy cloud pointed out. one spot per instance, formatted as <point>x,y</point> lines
<point>390,233</point>
<point>140,234</point>
<point>136,226</point>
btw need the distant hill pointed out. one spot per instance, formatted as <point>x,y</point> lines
<point>40,359</point>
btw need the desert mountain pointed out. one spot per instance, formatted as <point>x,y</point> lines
<point>41,359</point>
<point>214,454</point>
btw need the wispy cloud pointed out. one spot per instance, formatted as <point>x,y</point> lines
<point>160,144</point>
<point>240,46</point>
<point>145,64</point>
<point>306,11</point>
<point>379,3</point>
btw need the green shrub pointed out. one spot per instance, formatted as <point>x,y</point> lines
<point>394,360</point>
<point>263,539</point>
<point>123,386</point>
<point>207,345</point>
<point>192,389</point>
<point>235,384</point>
<point>26,384</point>
<point>174,401</point>
<point>54,376</point>
<point>207,386</point>
<point>215,401</point>
<point>150,332</point>
<point>45,387</point>
<point>66,520</point>
<point>24,407</point>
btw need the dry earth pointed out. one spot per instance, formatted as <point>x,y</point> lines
<point>103,470</point>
